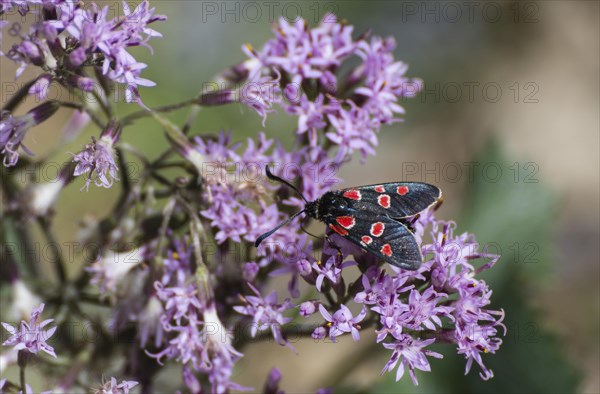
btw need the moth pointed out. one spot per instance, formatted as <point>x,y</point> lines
<point>377,217</point>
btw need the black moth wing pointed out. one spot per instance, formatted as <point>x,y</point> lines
<point>395,199</point>
<point>371,217</point>
<point>388,239</point>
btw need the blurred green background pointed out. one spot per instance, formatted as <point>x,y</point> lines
<point>508,85</point>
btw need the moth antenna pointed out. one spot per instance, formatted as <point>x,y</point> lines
<point>278,179</point>
<point>268,233</point>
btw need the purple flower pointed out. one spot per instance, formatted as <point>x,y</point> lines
<point>304,56</point>
<point>266,314</point>
<point>149,322</point>
<point>304,267</point>
<point>474,339</point>
<point>292,254</point>
<point>311,116</point>
<point>385,79</point>
<point>353,130</point>
<point>448,295</point>
<point>474,296</point>
<point>272,383</point>
<point>389,318</point>
<point>78,121</point>
<point>220,374</point>
<point>180,301</point>
<point>307,308</point>
<point>28,52</point>
<point>380,101</point>
<point>91,38</point>
<point>250,270</point>
<point>304,53</point>
<point>14,128</point>
<point>110,270</point>
<point>342,322</point>
<point>177,266</point>
<point>233,179</point>
<point>378,293</point>
<point>319,333</point>
<point>40,87</point>
<point>113,387</point>
<point>186,344</point>
<point>332,270</point>
<point>98,159</point>
<point>8,5</point>
<point>112,38</point>
<point>260,95</point>
<point>219,357</point>
<point>190,380</point>
<point>31,336</point>
<point>423,310</point>
<point>41,197</point>
<point>412,354</point>
<point>199,340</point>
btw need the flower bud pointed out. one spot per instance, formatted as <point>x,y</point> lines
<point>32,52</point>
<point>77,57</point>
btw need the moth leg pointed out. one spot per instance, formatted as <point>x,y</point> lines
<point>334,245</point>
<point>438,204</point>
<point>308,232</point>
<point>410,223</point>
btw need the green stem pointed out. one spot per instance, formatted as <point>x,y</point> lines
<point>22,378</point>
<point>330,299</point>
<point>59,264</point>
<point>165,108</point>
<point>22,362</point>
<point>19,96</point>
<point>83,108</point>
<point>300,330</point>
<point>105,107</point>
<point>162,235</point>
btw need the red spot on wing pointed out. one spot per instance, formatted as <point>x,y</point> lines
<point>384,200</point>
<point>366,239</point>
<point>352,194</point>
<point>386,250</point>
<point>338,230</point>
<point>346,221</point>
<point>402,190</point>
<point>377,229</point>
<point>380,189</point>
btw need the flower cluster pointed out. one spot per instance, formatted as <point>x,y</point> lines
<point>14,128</point>
<point>441,301</point>
<point>238,196</point>
<point>299,70</point>
<point>266,314</point>
<point>98,159</point>
<point>196,337</point>
<point>69,38</point>
<point>113,387</point>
